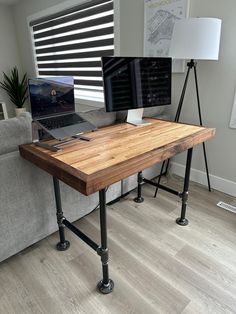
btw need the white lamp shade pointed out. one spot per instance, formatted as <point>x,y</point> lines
<point>196,38</point>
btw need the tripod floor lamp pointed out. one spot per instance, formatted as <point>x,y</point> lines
<point>194,39</point>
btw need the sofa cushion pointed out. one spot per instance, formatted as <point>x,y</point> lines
<point>148,112</point>
<point>15,131</point>
<point>153,111</point>
<point>99,117</point>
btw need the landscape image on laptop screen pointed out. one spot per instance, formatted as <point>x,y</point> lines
<point>51,96</point>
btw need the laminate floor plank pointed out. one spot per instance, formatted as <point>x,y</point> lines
<point>138,220</point>
<point>16,298</point>
<point>214,270</point>
<point>214,243</point>
<point>186,280</point>
<point>219,230</point>
<point>147,283</point>
<point>125,297</point>
<point>157,265</point>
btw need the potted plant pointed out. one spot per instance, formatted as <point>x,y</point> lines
<point>16,89</point>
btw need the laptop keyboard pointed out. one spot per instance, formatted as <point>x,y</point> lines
<point>61,121</point>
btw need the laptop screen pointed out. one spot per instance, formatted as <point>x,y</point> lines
<point>51,96</point>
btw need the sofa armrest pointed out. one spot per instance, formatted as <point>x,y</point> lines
<point>15,131</point>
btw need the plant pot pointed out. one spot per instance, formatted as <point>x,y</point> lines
<point>19,111</point>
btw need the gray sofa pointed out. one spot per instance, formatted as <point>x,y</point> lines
<point>27,206</point>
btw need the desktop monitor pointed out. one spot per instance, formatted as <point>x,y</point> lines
<point>136,82</point>
<point>51,96</point>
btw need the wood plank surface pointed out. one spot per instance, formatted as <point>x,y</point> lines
<point>115,152</point>
<point>157,265</point>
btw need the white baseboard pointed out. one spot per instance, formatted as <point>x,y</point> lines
<point>198,176</point>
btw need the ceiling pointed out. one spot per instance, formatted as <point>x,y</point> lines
<point>8,1</point>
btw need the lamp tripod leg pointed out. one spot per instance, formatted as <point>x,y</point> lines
<point>160,175</point>
<point>200,121</point>
<point>179,108</point>
<point>177,116</point>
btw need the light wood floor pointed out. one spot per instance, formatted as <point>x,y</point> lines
<point>157,266</point>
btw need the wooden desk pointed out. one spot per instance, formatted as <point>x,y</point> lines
<point>114,153</point>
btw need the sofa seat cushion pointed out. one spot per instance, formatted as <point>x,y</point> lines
<point>148,112</point>
<point>99,117</point>
<point>154,111</point>
<point>15,131</point>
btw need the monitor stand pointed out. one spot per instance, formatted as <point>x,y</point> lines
<point>135,117</point>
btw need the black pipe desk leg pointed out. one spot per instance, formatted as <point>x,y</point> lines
<point>182,221</point>
<point>106,285</point>
<point>139,198</point>
<point>63,244</point>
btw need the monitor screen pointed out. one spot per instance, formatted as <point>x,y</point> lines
<point>51,96</point>
<point>136,82</point>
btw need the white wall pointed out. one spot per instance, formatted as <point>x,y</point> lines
<point>131,27</point>
<point>9,54</point>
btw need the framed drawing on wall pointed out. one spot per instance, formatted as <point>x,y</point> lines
<point>159,19</point>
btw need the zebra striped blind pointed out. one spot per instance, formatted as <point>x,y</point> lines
<point>71,42</point>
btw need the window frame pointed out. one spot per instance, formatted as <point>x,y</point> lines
<point>67,5</point>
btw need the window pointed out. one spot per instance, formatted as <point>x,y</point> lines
<point>71,42</point>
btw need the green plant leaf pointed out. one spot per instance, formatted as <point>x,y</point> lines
<point>15,88</point>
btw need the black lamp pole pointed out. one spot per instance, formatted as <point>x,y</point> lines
<point>191,65</point>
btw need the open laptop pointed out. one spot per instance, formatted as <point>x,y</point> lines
<point>53,107</point>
